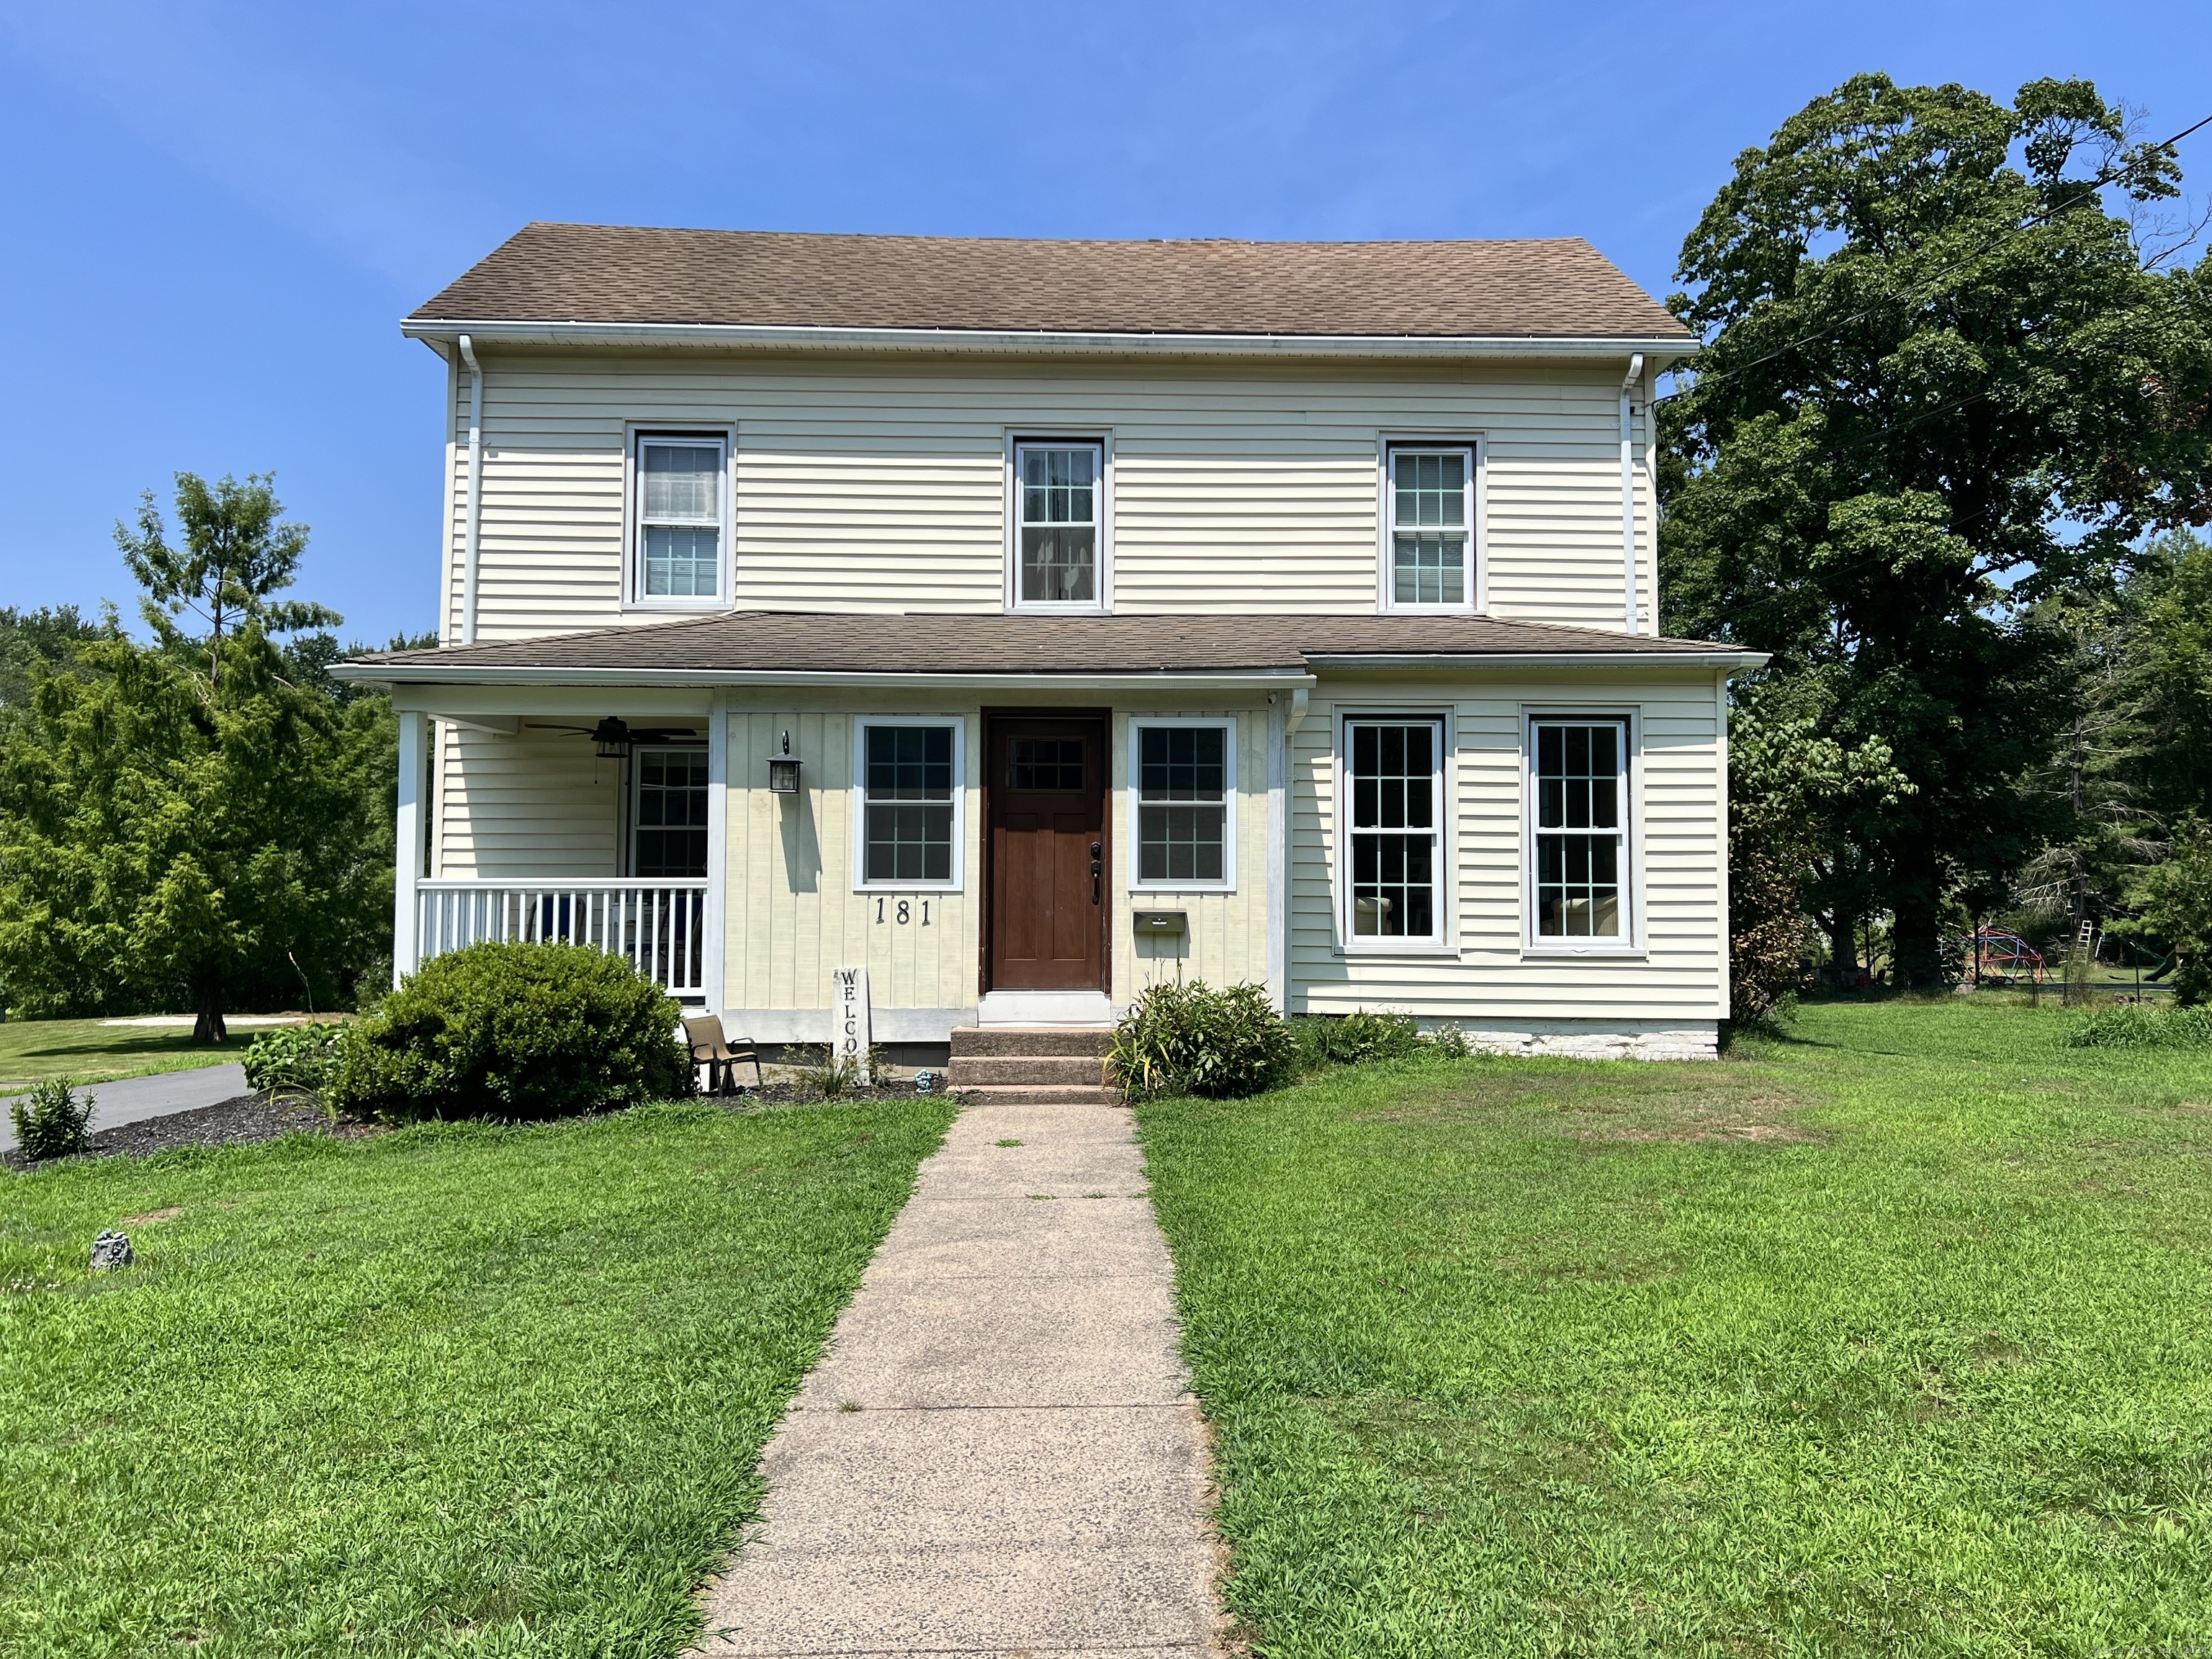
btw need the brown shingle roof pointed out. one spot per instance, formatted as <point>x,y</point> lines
<point>1560,288</point>
<point>772,642</point>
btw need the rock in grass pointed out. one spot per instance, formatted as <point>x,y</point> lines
<point>111,1250</point>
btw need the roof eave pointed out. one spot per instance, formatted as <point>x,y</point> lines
<point>1744,660</point>
<point>1661,349</point>
<point>424,673</point>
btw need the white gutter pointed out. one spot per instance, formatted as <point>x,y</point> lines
<point>1540,659</point>
<point>1628,484</point>
<point>1661,348</point>
<point>473,513</point>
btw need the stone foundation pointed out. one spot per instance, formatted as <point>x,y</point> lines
<point>1579,1039</point>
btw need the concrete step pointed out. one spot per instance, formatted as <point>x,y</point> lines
<point>1039,1094</point>
<point>981,1070</point>
<point>1030,1041</point>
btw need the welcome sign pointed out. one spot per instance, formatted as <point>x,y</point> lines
<point>849,999</point>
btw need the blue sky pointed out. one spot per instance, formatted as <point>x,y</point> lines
<point>216,214</point>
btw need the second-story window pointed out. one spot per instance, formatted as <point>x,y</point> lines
<point>1059,499</point>
<point>1431,527</point>
<point>680,514</point>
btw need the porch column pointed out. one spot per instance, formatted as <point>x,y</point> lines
<point>718,852</point>
<point>408,843</point>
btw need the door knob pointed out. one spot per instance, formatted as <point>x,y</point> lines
<point>1097,871</point>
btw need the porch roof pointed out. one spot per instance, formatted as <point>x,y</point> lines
<point>769,645</point>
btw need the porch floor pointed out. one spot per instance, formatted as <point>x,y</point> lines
<point>1000,1452</point>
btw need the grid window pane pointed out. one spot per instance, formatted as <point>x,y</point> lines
<point>908,828</point>
<point>1394,841</point>
<point>1044,764</point>
<point>1182,814</point>
<point>1429,526</point>
<point>1059,524</point>
<point>1579,774</point>
<point>671,812</point>
<point>680,517</point>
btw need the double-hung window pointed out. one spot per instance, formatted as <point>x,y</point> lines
<point>1185,783</point>
<point>681,518</point>
<point>909,788</point>
<point>670,790</point>
<point>1393,831</point>
<point>1430,529</point>
<point>1579,778</point>
<point>1059,497</point>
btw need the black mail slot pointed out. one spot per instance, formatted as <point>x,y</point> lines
<point>1162,921</point>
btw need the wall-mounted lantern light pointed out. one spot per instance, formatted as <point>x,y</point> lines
<point>783,770</point>
<point>612,738</point>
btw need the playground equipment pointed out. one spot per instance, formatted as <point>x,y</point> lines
<point>1997,954</point>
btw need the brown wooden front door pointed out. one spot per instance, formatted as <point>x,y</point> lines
<point>1047,792</point>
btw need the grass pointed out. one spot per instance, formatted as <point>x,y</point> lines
<point>33,1051</point>
<point>459,1389</point>
<point>1892,1338</point>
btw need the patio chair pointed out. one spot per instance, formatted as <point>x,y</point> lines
<point>721,1057</point>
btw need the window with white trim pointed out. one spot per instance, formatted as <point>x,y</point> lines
<point>909,782</point>
<point>1579,773</point>
<point>1431,529</point>
<point>681,509</point>
<point>669,795</point>
<point>1394,830</point>
<point>1183,777</point>
<point>1059,524</point>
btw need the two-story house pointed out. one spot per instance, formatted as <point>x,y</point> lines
<point>1027,621</point>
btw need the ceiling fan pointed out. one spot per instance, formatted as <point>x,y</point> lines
<point>614,737</point>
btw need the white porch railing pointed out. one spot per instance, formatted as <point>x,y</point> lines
<point>660,925</point>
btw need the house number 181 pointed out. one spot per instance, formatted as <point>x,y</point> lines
<point>902,910</point>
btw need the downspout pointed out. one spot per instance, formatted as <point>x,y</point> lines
<point>472,512</point>
<point>1628,483</point>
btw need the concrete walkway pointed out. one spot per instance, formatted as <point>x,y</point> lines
<point>133,1099</point>
<point>1000,1454</point>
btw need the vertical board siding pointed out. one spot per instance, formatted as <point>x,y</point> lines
<point>1227,940</point>
<point>881,486</point>
<point>1488,975</point>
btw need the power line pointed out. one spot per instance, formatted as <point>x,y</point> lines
<point>2088,185</point>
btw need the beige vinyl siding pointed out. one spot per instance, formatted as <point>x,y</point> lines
<point>879,485</point>
<point>536,807</point>
<point>1227,940</point>
<point>1490,974</point>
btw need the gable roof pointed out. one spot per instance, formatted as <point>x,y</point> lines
<point>1561,288</point>
<point>862,645</point>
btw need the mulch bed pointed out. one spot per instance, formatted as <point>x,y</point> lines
<point>233,1122</point>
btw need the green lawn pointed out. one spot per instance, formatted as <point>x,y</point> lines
<point>458,1389</point>
<point>1892,1338</point>
<point>89,1051</point>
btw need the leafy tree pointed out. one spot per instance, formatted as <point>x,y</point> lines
<point>199,821</point>
<point>33,639</point>
<point>2174,904</point>
<point>2170,595</point>
<point>1787,784</point>
<point>1943,378</point>
<point>237,551</point>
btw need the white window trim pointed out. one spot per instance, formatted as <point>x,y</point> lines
<point>1630,945</point>
<point>1476,447</point>
<point>1047,437</point>
<point>634,597</point>
<point>858,794</point>
<point>1441,943</point>
<point>1138,725</point>
<point>636,794</point>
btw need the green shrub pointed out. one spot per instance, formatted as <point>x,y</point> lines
<point>2133,1025</point>
<point>1190,1039</point>
<point>50,1122</point>
<point>514,1031</point>
<point>300,1057</point>
<point>829,1075</point>
<point>1353,1038</point>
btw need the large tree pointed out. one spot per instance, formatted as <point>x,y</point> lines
<point>1944,375</point>
<point>194,821</point>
